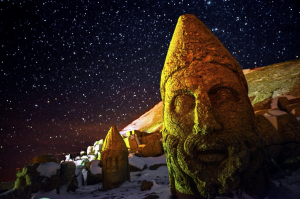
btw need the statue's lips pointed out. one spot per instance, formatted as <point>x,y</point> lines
<point>216,153</point>
<point>212,156</point>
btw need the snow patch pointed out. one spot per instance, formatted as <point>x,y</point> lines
<point>136,161</point>
<point>275,112</point>
<point>48,169</point>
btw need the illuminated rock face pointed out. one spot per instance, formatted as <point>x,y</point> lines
<point>209,131</point>
<point>114,157</point>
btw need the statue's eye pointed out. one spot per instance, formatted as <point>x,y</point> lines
<point>184,103</point>
<point>222,96</point>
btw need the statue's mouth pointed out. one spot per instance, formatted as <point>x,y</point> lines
<point>212,156</point>
<point>208,153</point>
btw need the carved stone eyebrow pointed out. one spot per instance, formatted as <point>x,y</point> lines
<point>183,91</point>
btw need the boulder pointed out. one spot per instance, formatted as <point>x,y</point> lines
<point>90,150</point>
<point>23,192</point>
<point>68,157</point>
<point>73,184</point>
<point>43,159</point>
<point>131,142</point>
<point>6,186</point>
<point>98,148</point>
<point>265,104</point>
<point>67,172</point>
<point>133,132</point>
<point>261,112</point>
<point>137,151</point>
<point>151,137</point>
<point>290,107</point>
<point>85,164</point>
<point>288,128</point>
<point>275,112</point>
<point>295,100</point>
<point>98,142</point>
<point>94,175</point>
<point>282,103</point>
<point>270,137</point>
<point>98,157</point>
<point>146,185</point>
<point>296,112</point>
<point>289,133</point>
<point>33,178</point>
<point>152,149</point>
<point>79,177</point>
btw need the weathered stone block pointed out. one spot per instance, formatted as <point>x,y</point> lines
<point>282,103</point>
<point>290,107</point>
<point>296,112</point>
<point>152,149</point>
<point>295,100</point>
<point>261,112</point>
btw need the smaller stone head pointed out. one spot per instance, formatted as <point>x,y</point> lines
<point>114,158</point>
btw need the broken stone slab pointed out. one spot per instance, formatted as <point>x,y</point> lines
<point>294,100</point>
<point>152,149</point>
<point>296,112</point>
<point>290,107</point>
<point>282,103</point>
<point>261,112</point>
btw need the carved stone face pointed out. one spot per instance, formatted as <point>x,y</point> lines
<point>208,129</point>
<point>115,168</point>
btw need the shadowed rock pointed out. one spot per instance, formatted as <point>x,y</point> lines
<point>146,185</point>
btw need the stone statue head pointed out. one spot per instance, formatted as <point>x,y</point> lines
<point>114,158</point>
<point>209,129</point>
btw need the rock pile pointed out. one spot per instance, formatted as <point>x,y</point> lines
<point>144,144</point>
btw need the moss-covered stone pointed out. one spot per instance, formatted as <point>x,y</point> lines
<point>209,131</point>
<point>274,80</point>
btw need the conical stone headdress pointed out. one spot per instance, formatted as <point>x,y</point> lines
<point>192,41</point>
<point>114,141</point>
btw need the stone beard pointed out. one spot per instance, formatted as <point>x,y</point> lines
<point>209,135</point>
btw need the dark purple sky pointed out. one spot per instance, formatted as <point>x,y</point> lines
<point>71,70</point>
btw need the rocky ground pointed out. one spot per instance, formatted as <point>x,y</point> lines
<point>285,184</point>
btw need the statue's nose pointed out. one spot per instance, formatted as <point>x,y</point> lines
<point>205,121</point>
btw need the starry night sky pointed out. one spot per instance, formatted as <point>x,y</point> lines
<point>71,69</point>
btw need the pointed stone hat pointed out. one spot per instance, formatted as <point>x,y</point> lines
<point>114,141</point>
<point>193,42</point>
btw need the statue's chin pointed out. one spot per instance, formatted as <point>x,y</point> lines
<point>213,167</point>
